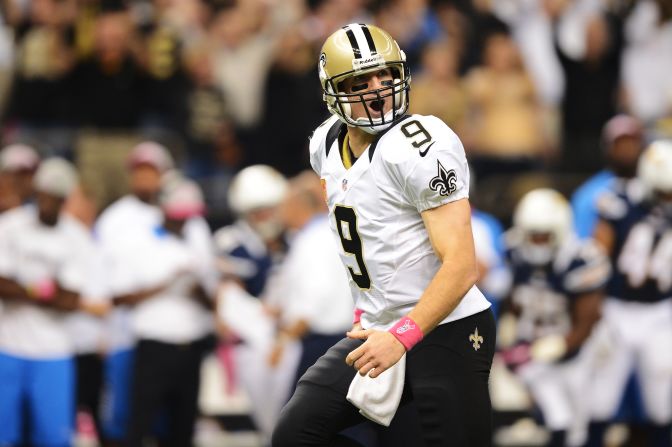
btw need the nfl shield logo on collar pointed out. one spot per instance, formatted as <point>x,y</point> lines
<point>344,185</point>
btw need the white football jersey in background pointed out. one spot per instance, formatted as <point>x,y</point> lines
<point>31,253</point>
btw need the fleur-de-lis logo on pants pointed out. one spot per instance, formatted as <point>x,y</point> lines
<point>477,340</point>
<point>445,182</point>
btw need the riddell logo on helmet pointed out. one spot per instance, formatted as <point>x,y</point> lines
<point>359,64</point>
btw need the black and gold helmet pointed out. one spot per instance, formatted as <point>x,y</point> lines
<point>356,49</point>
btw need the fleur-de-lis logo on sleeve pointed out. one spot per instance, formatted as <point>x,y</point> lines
<point>445,183</point>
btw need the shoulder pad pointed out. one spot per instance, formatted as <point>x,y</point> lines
<point>611,205</point>
<point>319,136</point>
<point>227,239</point>
<point>589,271</point>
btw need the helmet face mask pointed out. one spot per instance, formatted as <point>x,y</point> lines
<point>357,50</point>
<point>543,219</point>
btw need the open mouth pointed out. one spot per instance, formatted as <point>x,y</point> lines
<point>377,105</point>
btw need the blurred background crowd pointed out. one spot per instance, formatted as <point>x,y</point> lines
<point>174,135</point>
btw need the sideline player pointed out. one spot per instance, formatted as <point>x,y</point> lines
<point>397,191</point>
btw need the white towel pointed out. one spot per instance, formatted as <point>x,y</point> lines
<point>378,399</point>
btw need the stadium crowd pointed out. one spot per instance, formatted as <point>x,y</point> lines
<point>156,209</point>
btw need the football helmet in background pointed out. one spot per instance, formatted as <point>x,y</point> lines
<point>543,220</point>
<point>354,50</point>
<point>655,167</point>
<point>254,194</point>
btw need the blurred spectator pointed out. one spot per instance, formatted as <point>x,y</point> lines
<point>39,102</point>
<point>437,88</point>
<point>169,285</point>
<point>216,176</point>
<point>556,299</point>
<point>42,267</point>
<point>291,86</point>
<point>412,23</point>
<point>505,129</point>
<point>18,164</point>
<point>206,113</point>
<point>244,37</point>
<point>622,143</point>
<point>647,57</point>
<point>592,81</point>
<point>531,29</point>
<point>108,93</point>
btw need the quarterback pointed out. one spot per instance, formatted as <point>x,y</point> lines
<point>397,190</point>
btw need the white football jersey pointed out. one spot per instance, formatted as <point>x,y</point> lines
<point>416,165</point>
<point>31,253</point>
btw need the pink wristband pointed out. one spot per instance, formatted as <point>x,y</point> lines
<point>407,332</point>
<point>43,290</point>
<point>357,316</point>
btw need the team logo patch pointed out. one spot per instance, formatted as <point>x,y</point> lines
<point>476,339</point>
<point>407,326</point>
<point>445,183</point>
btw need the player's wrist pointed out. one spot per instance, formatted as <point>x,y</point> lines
<point>407,331</point>
<point>43,290</point>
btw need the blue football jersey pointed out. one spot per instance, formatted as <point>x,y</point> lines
<point>242,254</point>
<point>642,252</point>
<point>544,294</point>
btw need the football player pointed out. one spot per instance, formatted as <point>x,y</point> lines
<point>635,227</point>
<point>249,252</point>
<point>248,249</point>
<point>556,297</point>
<point>397,188</point>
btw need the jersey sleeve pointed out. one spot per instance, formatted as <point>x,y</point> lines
<point>437,172</point>
<point>590,270</point>
<point>612,206</point>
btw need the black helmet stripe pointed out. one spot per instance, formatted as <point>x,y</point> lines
<point>369,39</point>
<point>353,42</point>
<point>361,41</point>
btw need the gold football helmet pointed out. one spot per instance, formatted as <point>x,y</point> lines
<point>354,50</point>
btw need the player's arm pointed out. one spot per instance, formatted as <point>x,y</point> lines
<point>48,294</point>
<point>66,300</point>
<point>449,229</point>
<point>586,311</point>
<point>10,289</point>
<point>131,299</point>
<point>605,236</point>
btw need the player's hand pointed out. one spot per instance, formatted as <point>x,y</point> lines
<point>380,351</point>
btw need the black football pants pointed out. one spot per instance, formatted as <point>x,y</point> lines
<point>446,379</point>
